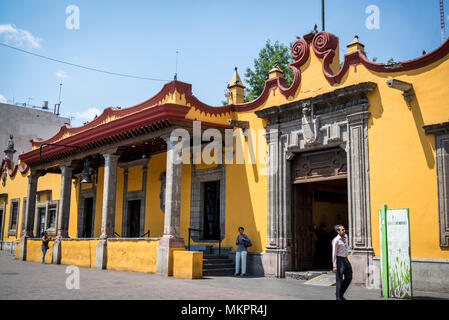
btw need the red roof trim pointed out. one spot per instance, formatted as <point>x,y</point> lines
<point>324,45</point>
<point>126,123</point>
<point>7,164</point>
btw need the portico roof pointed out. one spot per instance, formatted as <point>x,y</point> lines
<point>145,121</point>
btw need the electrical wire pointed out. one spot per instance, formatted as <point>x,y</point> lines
<point>83,67</point>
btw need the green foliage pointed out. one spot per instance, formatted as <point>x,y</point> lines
<point>391,60</point>
<point>268,56</point>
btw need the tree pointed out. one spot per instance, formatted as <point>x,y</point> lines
<point>268,56</point>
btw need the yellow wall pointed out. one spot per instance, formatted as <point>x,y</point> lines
<point>132,255</point>
<point>154,217</point>
<point>135,179</point>
<point>79,252</point>
<point>34,251</point>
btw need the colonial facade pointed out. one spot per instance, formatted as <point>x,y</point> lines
<point>337,144</point>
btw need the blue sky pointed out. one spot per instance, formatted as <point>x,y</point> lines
<point>141,38</point>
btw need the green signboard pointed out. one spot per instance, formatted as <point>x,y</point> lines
<point>396,271</point>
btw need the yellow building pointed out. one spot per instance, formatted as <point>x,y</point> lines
<point>332,148</point>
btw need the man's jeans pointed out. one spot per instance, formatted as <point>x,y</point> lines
<point>240,256</point>
<point>44,251</point>
<point>344,268</point>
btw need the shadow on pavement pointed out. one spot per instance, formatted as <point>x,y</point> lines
<point>427,298</point>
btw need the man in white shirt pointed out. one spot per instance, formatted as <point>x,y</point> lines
<point>341,265</point>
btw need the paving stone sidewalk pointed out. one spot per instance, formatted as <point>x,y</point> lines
<point>29,280</point>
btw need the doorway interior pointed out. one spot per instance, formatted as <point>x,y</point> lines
<point>134,218</point>
<point>88,226</point>
<point>211,222</point>
<point>41,221</point>
<point>318,207</point>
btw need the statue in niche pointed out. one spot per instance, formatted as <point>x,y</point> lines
<point>310,125</point>
<point>9,152</point>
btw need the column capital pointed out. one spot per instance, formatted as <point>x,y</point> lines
<point>272,135</point>
<point>168,139</point>
<point>35,174</point>
<point>110,155</point>
<point>358,118</point>
<point>66,169</point>
<point>68,164</point>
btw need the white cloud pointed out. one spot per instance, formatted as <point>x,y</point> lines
<point>3,99</point>
<point>61,74</point>
<point>18,37</point>
<point>87,115</point>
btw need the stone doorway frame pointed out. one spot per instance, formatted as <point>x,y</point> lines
<point>335,119</point>
<point>198,177</point>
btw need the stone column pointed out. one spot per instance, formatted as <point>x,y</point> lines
<point>171,239</point>
<point>64,211</point>
<point>29,214</point>
<point>143,205</point>
<point>359,197</point>
<point>276,258</point>
<point>272,196</point>
<point>108,210</point>
<point>125,222</point>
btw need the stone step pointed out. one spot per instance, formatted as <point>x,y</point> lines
<point>216,261</point>
<point>324,280</point>
<point>215,265</point>
<point>219,272</point>
<point>304,275</point>
<point>215,257</point>
<point>209,266</point>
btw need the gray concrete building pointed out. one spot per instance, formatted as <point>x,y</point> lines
<point>26,123</point>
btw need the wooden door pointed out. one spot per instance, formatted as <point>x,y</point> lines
<point>303,227</point>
